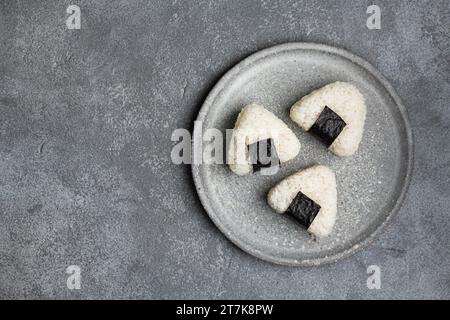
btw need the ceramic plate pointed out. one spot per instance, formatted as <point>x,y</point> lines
<point>371,184</point>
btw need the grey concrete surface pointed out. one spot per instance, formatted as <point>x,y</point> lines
<point>85,123</point>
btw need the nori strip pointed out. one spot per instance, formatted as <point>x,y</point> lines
<point>263,154</point>
<point>303,209</point>
<point>328,126</point>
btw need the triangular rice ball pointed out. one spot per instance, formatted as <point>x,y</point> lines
<point>256,124</point>
<point>336,114</point>
<point>309,196</point>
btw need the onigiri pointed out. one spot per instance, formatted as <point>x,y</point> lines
<point>310,197</point>
<point>335,114</point>
<point>259,134</point>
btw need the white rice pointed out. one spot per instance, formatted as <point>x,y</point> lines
<point>254,124</point>
<point>345,100</point>
<point>317,183</point>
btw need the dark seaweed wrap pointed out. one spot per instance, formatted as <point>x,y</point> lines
<point>303,209</point>
<point>328,126</point>
<point>263,154</point>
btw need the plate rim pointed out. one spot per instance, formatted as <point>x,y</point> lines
<point>289,46</point>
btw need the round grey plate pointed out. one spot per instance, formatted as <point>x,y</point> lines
<point>371,184</point>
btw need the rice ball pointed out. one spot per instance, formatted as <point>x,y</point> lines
<point>310,197</point>
<point>335,114</point>
<point>256,125</point>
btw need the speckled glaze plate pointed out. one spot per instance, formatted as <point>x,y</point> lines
<point>371,184</point>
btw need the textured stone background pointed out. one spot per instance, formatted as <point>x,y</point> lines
<point>85,123</point>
